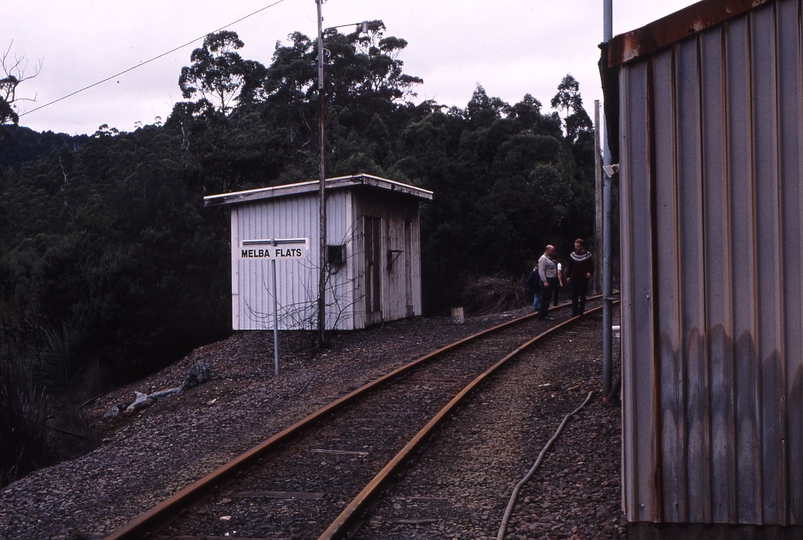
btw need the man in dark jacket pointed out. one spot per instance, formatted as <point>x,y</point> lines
<point>579,270</point>
<point>534,283</point>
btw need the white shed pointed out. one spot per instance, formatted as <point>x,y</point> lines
<point>373,253</point>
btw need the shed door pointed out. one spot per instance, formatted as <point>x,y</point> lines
<point>373,305</point>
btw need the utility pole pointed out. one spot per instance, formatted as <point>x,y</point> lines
<point>597,196</point>
<point>322,182</point>
<point>607,237</point>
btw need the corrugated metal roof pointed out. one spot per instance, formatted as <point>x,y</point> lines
<point>339,182</point>
<point>675,27</point>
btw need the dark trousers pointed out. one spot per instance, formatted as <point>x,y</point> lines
<point>579,292</point>
<point>546,296</point>
<point>556,294</point>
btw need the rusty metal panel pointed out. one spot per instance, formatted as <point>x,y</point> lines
<point>712,328</point>
<point>769,303</point>
<point>676,27</point>
<point>790,273</point>
<point>664,299</point>
<point>640,412</point>
<point>721,495</point>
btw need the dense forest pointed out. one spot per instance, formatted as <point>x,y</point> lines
<point>110,267</point>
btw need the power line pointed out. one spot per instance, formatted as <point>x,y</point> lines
<point>151,60</point>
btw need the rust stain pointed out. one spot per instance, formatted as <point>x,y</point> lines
<point>675,27</point>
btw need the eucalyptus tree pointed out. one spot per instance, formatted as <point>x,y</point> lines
<point>367,91</point>
<point>219,78</point>
<point>569,100</point>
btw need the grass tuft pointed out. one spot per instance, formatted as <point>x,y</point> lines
<point>23,431</point>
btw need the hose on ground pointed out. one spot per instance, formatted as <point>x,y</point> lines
<point>515,494</point>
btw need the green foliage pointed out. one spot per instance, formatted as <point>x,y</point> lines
<point>37,426</point>
<point>20,145</point>
<point>23,433</point>
<point>506,183</point>
<point>58,366</point>
<point>494,295</point>
<point>112,240</point>
<point>105,243</point>
<point>219,76</point>
<point>110,264</point>
<point>568,99</point>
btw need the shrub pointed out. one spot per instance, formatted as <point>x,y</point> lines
<point>39,427</point>
<point>58,365</point>
<point>23,432</point>
<point>495,295</point>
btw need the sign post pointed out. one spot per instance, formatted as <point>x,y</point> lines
<point>275,248</point>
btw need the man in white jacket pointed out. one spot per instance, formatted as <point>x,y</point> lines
<point>549,276</point>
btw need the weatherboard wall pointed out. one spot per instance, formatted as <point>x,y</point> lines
<point>291,212</point>
<point>399,257</point>
<point>711,140</point>
<point>252,278</point>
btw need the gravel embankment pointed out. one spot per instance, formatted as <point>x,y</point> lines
<point>150,454</point>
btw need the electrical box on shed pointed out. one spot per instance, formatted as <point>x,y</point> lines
<point>336,254</point>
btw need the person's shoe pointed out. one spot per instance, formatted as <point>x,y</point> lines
<point>548,318</point>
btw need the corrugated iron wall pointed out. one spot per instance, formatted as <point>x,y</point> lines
<point>712,263</point>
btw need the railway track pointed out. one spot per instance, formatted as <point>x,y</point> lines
<point>310,479</point>
<point>462,484</point>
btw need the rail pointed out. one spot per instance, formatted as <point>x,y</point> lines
<point>165,512</point>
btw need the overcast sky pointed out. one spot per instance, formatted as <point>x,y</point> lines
<point>510,47</point>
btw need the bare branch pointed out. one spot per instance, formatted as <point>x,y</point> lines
<point>13,70</point>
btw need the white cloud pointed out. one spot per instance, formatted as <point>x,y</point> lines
<point>511,47</point>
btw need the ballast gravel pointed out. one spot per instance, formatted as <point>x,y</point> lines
<point>149,454</point>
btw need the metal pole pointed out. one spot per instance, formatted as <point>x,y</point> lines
<point>607,248</point>
<point>275,320</point>
<point>607,289</point>
<point>597,195</point>
<point>321,181</point>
